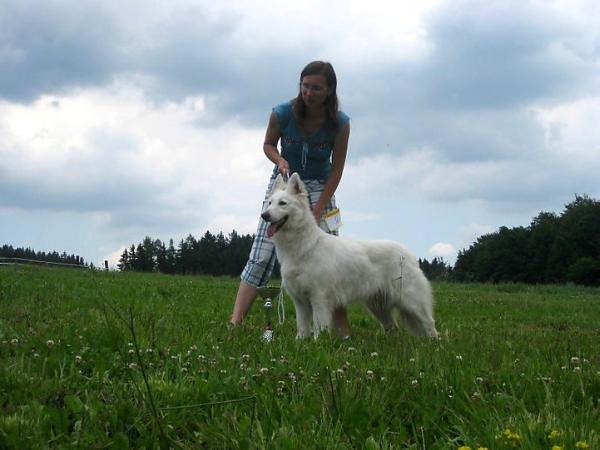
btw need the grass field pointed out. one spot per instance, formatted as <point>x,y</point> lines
<point>120,360</point>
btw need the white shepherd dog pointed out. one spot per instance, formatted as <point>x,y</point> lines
<point>322,272</point>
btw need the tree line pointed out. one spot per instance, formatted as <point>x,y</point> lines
<point>210,255</point>
<point>552,249</point>
<point>7,251</point>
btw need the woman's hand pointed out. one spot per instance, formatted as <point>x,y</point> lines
<point>283,166</point>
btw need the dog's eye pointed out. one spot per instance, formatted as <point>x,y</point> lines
<point>282,203</point>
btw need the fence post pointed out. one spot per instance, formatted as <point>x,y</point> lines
<point>106,265</point>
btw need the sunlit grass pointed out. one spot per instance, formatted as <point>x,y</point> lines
<point>84,356</point>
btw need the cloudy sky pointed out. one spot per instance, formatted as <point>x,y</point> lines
<point>120,120</point>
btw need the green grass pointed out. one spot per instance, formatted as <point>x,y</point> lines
<point>514,364</point>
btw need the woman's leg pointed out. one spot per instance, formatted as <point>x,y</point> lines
<point>257,271</point>
<point>340,322</point>
<point>244,299</point>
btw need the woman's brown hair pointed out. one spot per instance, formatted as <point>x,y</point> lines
<point>331,102</point>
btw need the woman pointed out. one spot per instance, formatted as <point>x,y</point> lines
<point>314,141</point>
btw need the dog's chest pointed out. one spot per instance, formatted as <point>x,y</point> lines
<point>296,281</point>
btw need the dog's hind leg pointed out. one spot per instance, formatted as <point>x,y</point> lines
<point>382,311</point>
<point>419,321</point>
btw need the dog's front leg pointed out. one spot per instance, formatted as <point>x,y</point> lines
<point>303,313</point>
<point>322,316</point>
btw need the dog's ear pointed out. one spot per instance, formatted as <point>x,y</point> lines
<point>279,184</point>
<point>296,186</point>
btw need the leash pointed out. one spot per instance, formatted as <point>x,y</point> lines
<point>280,307</point>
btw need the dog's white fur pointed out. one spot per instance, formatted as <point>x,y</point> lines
<point>322,272</point>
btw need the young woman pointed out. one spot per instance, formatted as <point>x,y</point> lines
<point>314,140</point>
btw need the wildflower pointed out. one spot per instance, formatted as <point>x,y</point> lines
<point>459,357</point>
<point>131,351</point>
<point>464,447</point>
<point>280,387</point>
<point>574,360</point>
<point>14,341</point>
<point>50,343</point>
<point>374,354</point>
<point>557,447</point>
<point>370,375</point>
<point>245,357</point>
<point>36,355</point>
<point>582,445</point>
<point>77,359</point>
<point>414,383</point>
<point>351,349</point>
<point>412,360</point>
<point>554,435</point>
<point>479,379</point>
<point>576,369</point>
<point>132,366</point>
<point>511,438</point>
<point>264,370</point>
<point>243,381</point>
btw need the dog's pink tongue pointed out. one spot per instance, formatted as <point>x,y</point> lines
<point>271,230</point>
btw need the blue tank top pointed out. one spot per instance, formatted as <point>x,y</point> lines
<point>309,156</point>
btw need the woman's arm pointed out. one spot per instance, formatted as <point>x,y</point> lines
<point>270,146</point>
<point>338,160</point>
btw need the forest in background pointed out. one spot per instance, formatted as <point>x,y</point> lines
<point>554,248</point>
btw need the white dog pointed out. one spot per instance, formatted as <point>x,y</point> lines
<point>322,272</point>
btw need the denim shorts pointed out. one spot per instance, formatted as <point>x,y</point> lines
<point>262,258</point>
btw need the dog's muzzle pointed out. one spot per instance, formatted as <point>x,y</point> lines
<point>273,226</point>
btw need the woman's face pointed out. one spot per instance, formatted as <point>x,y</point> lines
<point>314,90</point>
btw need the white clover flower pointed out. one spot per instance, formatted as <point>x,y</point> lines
<point>459,357</point>
<point>374,354</point>
<point>50,343</point>
<point>132,365</point>
<point>415,382</point>
<point>351,349</point>
<point>370,375</point>
<point>264,370</point>
<point>14,341</point>
<point>77,359</point>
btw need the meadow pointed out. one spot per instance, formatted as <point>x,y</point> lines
<point>92,359</point>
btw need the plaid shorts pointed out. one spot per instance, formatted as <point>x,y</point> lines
<point>262,258</point>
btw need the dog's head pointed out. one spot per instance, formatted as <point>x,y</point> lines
<point>287,201</point>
